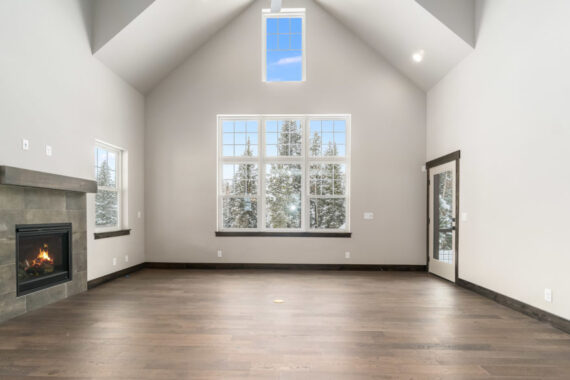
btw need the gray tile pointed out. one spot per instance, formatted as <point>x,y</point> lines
<point>8,221</point>
<point>75,201</point>
<point>79,241</point>
<point>11,197</point>
<point>7,251</point>
<point>44,297</point>
<point>7,279</point>
<point>11,306</point>
<point>44,199</point>
<point>78,219</point>
<point>79,261</point>
<point>78,285</point>
<point>47,216</point>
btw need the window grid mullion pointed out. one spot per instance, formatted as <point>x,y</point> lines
<point>261,211</point>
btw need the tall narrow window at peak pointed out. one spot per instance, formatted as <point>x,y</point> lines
<point>284,51</point>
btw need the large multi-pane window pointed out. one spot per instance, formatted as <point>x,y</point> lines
<point>108,163</point>
<point>283,45</point>
<point>283,173</point>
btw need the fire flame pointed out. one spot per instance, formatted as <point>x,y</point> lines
<point>42,258</point>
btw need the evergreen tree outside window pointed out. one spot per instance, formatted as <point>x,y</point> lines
<point>284,173</point>
<point>108,198</point>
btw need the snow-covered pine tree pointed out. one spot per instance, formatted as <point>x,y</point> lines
<point>327,213</point>
<point>283,192</point>
<point>106,202</point>
<point>241,211</point>
<point>445,209</point>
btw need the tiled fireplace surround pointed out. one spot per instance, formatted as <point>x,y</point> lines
<point>30,205</point>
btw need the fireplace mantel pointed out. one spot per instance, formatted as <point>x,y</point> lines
<point>30,178</point>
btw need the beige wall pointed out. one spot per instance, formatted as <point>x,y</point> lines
<point>344,76</point>
<point>53,91</point>
<point>506,107</point>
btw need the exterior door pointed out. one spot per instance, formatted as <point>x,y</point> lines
<point>442,209</point>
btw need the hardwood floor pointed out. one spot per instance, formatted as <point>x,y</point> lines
<point>192,324</point>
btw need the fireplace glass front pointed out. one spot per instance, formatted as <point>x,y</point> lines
<point>43,256</point>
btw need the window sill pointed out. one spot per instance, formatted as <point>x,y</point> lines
<point>110,234</point>
<point>285,234</point>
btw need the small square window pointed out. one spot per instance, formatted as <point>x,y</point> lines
<point>284,50</point>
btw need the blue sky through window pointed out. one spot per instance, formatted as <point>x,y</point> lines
<point>284,49</point>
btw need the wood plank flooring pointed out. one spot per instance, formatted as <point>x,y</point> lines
<point>192,324</point>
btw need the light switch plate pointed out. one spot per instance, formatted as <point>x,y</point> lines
<point>219,253</point>
<point>368,215</point>
<point>25,144</point>
<point>463,216</point>
<point>347,255</point>
<point>49,150</point>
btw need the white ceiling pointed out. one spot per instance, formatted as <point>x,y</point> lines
<point>152,41</point>
<point>398,28</point>
<point>162,36</point>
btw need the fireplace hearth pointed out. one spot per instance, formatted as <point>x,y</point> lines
<point>43,256</point>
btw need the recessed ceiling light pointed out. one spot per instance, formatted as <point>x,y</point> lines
<point>418,56</point>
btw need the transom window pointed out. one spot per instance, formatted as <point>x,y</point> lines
<point>283,45</point>
<point>284,173</point>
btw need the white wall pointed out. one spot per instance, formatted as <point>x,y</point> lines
<point>110,16</point>
<point>457,15</point>
<point>344,76</point>
<point>506,107</point>
<point>53,91</point>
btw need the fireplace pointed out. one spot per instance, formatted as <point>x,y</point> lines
<point>43,256</point>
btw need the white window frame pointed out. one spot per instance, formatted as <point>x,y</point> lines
<point>285,13</point>
<point>305,160</point>
<point>120,152</point>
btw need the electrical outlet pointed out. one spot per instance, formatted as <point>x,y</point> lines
<point>49,150</point>
<point>114,261</point>
<point>548,295</point>
<point>126,258</point>
<point>219,253</point>
<point>368,215</point>
<point>25,144</point>
<point>347,255</point>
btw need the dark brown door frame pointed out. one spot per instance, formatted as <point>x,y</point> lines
<point>455,156</point>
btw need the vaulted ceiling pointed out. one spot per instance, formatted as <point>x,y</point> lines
<point>144,40</point>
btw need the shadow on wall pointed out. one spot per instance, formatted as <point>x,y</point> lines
<point>85,8</point>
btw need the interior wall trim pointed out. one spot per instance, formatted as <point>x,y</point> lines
<point>524,308</point>
<point>112,276</point>
<point>338,267</point>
